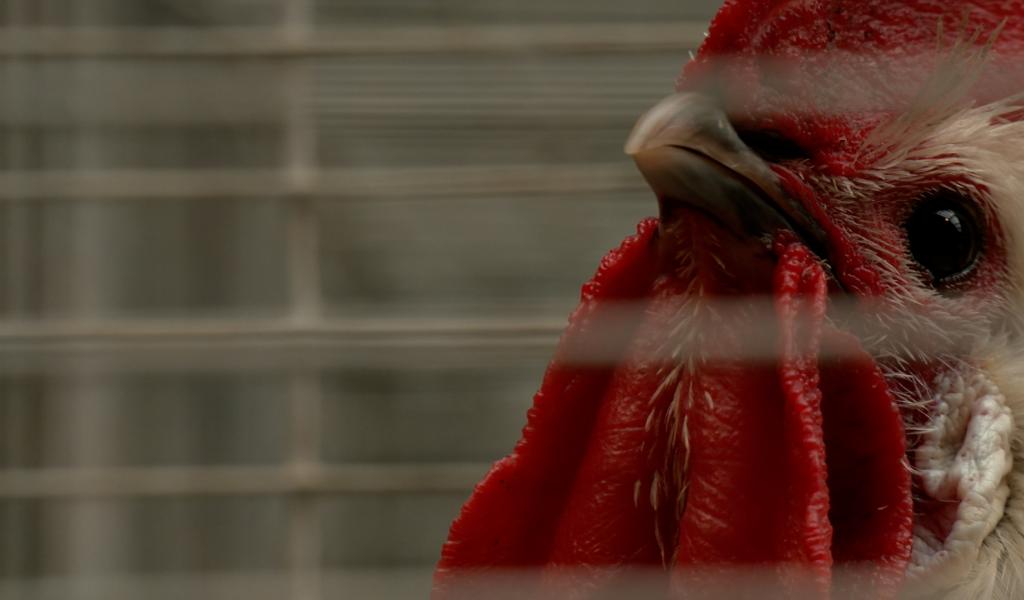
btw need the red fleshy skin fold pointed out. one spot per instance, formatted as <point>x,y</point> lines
<point>791,469</point>
<point>512,517</point>
<point>758,494</point>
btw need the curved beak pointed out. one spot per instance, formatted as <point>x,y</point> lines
<point>690,154</point>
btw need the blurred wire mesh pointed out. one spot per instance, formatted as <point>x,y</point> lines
<point>279,277</point>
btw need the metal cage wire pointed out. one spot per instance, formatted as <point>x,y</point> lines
<point>309,336</point>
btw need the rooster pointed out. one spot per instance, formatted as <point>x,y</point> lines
<point>808,365</point>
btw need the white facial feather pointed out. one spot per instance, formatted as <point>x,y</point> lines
<point>984,151</point>
<point>945,141</point>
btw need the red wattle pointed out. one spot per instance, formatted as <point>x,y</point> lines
<point>511,518</point>
<point>758,492</point>
<point>872,510</point>
<point>785,468</point>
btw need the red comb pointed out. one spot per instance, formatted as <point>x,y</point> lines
<point>862,26</point>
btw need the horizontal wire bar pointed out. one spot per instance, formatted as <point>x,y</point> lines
<point>46,42</point>
<point>367,582</point>
<point>171,330</point>
<point>689,328</point>
<point>418,182</point>
<point>278,345</point>
<point>234,481</point>
<point>412,580</point>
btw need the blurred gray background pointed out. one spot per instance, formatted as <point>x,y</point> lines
<point>279,278</point>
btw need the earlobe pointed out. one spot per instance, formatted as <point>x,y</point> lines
<point>963,462</point>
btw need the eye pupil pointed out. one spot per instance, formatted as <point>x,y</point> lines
<point>944,237</point>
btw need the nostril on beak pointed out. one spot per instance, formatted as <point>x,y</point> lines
<point>689,152</point>
<point>772,145</point>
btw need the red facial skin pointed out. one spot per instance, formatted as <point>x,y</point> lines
<point>795,67</point>
<point>800,465</point>
<point>788,61</point>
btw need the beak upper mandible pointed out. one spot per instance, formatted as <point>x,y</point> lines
<point>689,153</point>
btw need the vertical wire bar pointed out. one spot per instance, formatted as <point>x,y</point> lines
<point>97,532</point>
<point>15,280</point>
<point>304,516</point>
<point>303,261</point>
<point>300,152</point>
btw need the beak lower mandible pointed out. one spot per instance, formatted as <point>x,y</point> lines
<point>690,154</point>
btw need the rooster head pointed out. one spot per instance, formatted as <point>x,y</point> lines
<point>808,364</point>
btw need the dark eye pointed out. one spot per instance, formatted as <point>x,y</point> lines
<point>945,236</point>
